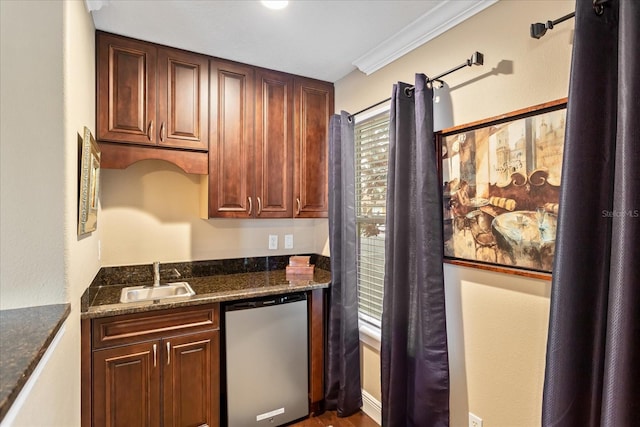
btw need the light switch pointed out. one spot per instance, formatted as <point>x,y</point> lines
<point>288,241</point>
<point>273,241</point>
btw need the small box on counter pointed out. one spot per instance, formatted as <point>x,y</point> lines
<point>299,268</point>
<point>299,261</point>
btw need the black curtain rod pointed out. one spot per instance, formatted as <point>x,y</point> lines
<point>476,59</point>
<point>539,29</point>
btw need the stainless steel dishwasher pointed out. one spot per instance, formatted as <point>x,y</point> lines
<point>266,349</point>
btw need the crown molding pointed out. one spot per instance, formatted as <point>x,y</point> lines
<point>95,4</point>
<point>428,26</point>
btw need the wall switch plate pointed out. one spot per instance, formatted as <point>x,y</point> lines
<point>474,420</point>
<point>273,241</point>
<point>288,241</point>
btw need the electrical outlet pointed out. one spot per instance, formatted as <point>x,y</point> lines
<point>288,241</point>
<point>474,420</point>
<point>273,241</point>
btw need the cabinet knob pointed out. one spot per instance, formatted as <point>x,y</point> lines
<point>150,131</point>
<point>259,206</point>
<point>168,352</point>
<point>162,131</point>
<point>250,206</point>
<point>298,205</point>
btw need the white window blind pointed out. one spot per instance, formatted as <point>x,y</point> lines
<point>371,156</point>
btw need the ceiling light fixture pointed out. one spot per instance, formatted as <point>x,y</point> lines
<point>275,4</point>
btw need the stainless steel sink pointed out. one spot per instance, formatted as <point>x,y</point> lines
<point>149,293</point>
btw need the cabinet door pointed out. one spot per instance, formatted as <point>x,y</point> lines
<point>126,386</point>
<point>191,380</point>
<point>274,144</point>
<point>126,96</point>
<point>314,106</point>
<point>183,110</point>
<point>230,141</point>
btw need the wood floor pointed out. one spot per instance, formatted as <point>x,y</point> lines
<point>330,419</point>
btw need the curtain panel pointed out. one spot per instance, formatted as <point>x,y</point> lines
<point>343,391</point>
<point>592,375</point>
<point>414,358</point>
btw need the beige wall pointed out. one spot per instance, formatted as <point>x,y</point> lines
<point>48,96</point>
<point>151,213</point>
<point>497,323</point>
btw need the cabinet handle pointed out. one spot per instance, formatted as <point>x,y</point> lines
<point>162,130</point>
<point>155,355</point>
<point>259,205</point>
<point>168,352</point>
<point>150,131</point>
<point>298,205</point>
<point>250,205</point>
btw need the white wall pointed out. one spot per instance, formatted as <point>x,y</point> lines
<point>32,155</point>
<point>48,96</point>
<point>497,323</point>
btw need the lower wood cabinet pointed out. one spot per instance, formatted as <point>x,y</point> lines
<point>190,382</point>
<point>126,386</point>
<point>153,370</point>
<point>162,368</point>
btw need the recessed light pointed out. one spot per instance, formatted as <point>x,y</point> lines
<point>275,4</point>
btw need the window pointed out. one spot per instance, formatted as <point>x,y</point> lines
<point>371,158</point>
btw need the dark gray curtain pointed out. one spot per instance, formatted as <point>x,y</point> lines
<point>415,365</point>
<point>592,373</point>
<point>342,379</point>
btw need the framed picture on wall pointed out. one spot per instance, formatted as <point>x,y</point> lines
<point>89,164</point>
<point>501,184</point>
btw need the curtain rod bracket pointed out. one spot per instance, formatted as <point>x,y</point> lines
<point>539,29</point>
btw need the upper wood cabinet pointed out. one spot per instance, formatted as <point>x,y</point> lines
<point>266,132</point>
<point>183,109</point>
<point>313,108</point>
<point>251,154</point>
<point>230,156</point>
<point>151,96</point>
<point>126,95</point>
<point>274,144</point>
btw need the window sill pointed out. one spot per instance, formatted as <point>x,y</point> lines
<point>370,335</point>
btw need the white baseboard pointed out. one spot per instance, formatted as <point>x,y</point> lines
<point>372,407</point>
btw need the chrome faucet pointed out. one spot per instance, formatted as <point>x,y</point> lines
<point>156,273</point>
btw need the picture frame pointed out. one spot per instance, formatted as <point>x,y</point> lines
<point>89,187</point>
<point>501,185</point>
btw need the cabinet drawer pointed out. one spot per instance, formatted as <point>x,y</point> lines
<point>129,328</point>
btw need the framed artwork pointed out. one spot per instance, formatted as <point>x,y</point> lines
<point>89,184</point>
<point>501,185</point>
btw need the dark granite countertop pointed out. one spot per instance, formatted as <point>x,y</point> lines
<point>222,283</point>
<point>25,335</point>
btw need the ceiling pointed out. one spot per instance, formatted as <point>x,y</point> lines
<point>314,38</point>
